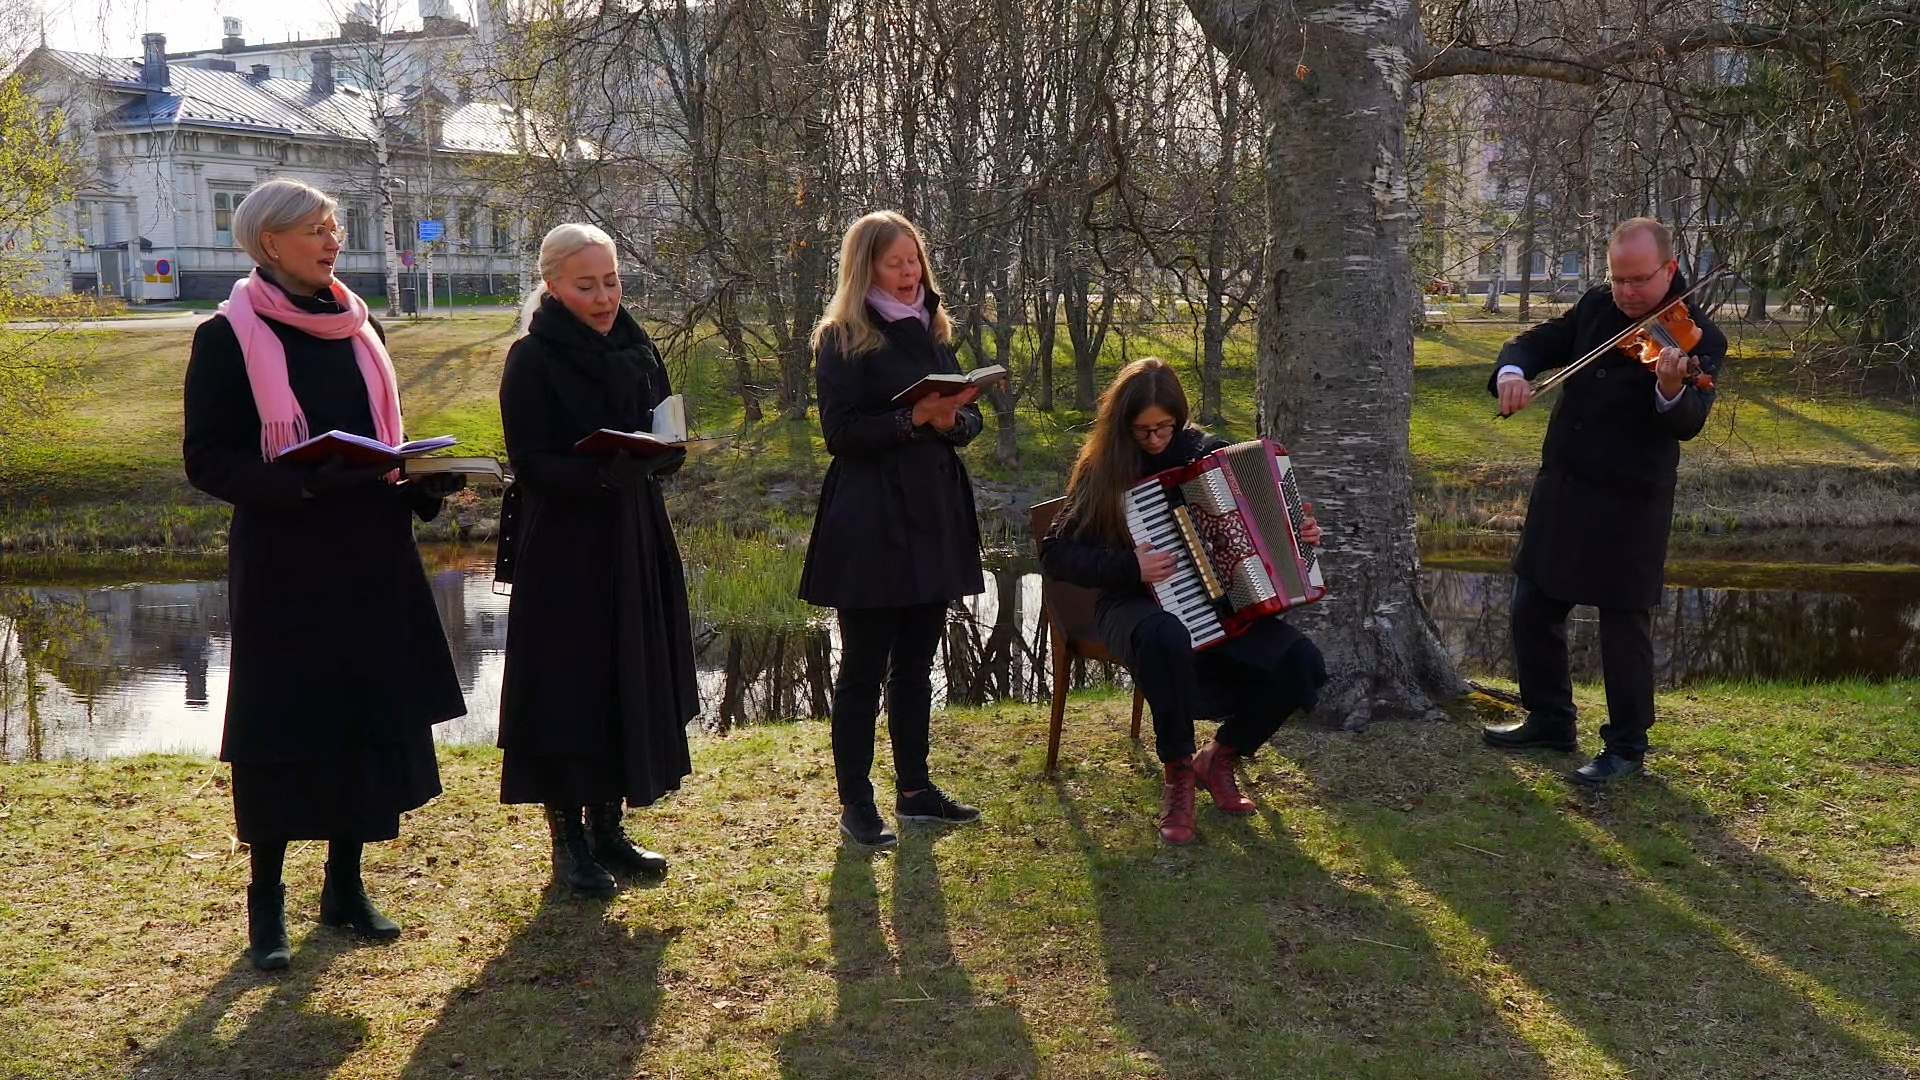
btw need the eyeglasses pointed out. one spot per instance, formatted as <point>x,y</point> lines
<point>331,232</point>
<point>1145,433</point>
<point>1638,282</point>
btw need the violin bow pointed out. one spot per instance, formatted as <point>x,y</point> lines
<point>1549,383</point>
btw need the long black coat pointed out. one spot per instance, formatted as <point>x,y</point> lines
<point>337,646</point>
<point>599,662</point>
<point>896,523</point>
<point>1602,503</point>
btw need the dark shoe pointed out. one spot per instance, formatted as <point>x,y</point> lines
<point>1213,770</point>
<point>1176,804</point>
<point>612,849</point>
<point>932,804</point>
<point>1607,768</point>
<point>1533,734</point>
<point>267,945</point>
<point>574,866</point>
<point>345,904</point>
<point>862,822</point>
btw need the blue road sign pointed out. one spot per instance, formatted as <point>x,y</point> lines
<point>432,230</point>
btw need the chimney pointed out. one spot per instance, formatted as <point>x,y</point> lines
<point>232,42</point>
<point>323,73</point>
<point>154,71</point>
<point>260,73</point>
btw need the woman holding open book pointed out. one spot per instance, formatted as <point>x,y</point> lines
<point>340,666</point>
<point>599,682</point>
<point>895,539</point>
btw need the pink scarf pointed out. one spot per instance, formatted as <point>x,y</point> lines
<point>893,310</point>
<point>282,424</point>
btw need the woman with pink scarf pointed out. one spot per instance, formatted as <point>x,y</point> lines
<point>895,540</point>
<point>340,667</point>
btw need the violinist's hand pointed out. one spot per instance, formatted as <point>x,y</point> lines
<point>1515,393</point>
<point>1310,532</point>
<point>1155,566</point>
<point>1671,370</point>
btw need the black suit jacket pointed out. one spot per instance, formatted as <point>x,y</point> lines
<point>1602,503</point>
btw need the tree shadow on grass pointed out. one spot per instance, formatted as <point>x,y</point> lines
<point>1675,952</point>
<point>1241,956</point>
<point>573,994</point>
<point>916,1015</point>
<point>262,1024</point>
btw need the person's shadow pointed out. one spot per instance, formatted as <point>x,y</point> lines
<point>573,994</point>
<point>1247,955</point>
<point>1631,913</point>
<point>260,1024</point>
<point>918,1015</point>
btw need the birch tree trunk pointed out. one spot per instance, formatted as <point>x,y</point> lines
<point>1335,378</point>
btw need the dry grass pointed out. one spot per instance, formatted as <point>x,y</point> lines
<point>1407,904</point>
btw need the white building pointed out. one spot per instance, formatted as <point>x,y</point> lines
<point>173,145</point>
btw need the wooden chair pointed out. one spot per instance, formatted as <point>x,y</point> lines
<point>1072,631</point>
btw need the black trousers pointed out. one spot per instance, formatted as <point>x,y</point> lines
<point>1253,681</point>
<point>1626,663</point>
<point>895,645</point>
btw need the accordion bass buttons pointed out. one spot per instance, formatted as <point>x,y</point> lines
<point>1250,584</point>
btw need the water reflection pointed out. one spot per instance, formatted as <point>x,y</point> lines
<point>100,671</point>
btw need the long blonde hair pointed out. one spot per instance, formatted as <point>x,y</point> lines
<point>557,247</point>
<point>846,318</point>
<point>1111,460</point>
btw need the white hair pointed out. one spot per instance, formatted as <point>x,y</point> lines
<point>559,245</point>
<point>276,206</point>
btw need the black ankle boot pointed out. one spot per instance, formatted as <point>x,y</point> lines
<point>613,850</point>
<point>267,945</point>
<point>344,903</point>
<point>573,862</point>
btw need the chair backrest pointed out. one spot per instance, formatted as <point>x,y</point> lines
<point>1069,608</point>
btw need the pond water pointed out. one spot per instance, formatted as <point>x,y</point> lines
<point>102,660</point>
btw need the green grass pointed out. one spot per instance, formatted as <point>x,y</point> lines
<point>1784,448</point>
<point>1406,904</point>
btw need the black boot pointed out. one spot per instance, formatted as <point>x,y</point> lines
<point>573,862</point>
<point>267,945</point>
<point>612,849</point>
<point>344,903</point>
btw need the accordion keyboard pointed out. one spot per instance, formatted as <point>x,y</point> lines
<point>1153,518</point>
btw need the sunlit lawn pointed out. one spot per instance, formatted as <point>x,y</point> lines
<point>1407,904</point>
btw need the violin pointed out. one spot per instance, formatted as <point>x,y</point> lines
<point>1672,328</point>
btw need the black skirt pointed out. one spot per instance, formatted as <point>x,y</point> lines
<point>357,798</point>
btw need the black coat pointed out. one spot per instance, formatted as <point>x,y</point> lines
<point>337,645</point>
<point>896,523</point>
<point>1602,504</point>
<point>599,660</point>
<point>1066,554</point>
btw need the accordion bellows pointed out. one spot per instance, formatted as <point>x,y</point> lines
<point>1232,521</point>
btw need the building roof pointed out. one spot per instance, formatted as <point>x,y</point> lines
<point>208,97</point>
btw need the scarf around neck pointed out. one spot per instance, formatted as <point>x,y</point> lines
<point>256,300</point>
<point>891,310</point>
<point>610,380</point>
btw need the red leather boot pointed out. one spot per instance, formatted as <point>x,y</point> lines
<point>1176,801</point>
<point>1213,767</point>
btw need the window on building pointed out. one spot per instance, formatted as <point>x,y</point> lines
<point>226,144</point>
<point>1492,261</point>
<point>359,236</point>
<point>83,226</point>
<point>1537,263</point>
<point>224,204</point>
<point>468,221</point>
<point>1570,264</point>
<point>502,230</point>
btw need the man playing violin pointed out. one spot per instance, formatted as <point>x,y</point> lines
<point>1602,502</point>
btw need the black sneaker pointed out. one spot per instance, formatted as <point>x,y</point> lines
<point>932,804</point>
<point>863,823</point>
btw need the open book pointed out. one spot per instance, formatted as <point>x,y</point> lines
<point>358,450</point>
<point>669,430</point>
<point>473,468</point>
<point>941,384</point>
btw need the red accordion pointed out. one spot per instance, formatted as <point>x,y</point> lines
<point>1232,522</point>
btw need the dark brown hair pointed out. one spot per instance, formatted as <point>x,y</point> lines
<point>1111,460</point>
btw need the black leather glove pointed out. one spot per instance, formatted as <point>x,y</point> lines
<point>337,475</point>
<point>438,485</point>
<point>625,470</point>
